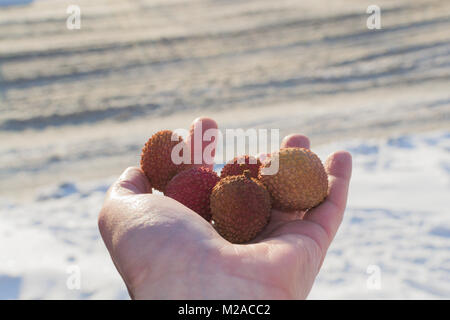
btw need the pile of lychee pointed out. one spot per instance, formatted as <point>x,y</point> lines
<point>239,202</point>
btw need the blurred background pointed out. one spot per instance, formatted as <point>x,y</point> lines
<point>77,105</point>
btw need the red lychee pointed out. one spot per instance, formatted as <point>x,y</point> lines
<point>193,188</point>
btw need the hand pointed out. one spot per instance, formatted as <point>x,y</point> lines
<point>163,250</point>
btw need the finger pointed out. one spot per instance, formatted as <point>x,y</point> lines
<point>202,149</point>
<point>114,216</point>
<point>131,181</point>
<point>329,214</point>
<point>295,141</point>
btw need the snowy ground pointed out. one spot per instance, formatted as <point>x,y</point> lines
<point>397,223</point>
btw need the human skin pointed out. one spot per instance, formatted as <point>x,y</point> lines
<point>164,250</point>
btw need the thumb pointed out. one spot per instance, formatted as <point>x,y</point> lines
<point>131,181</point>
<point>202,142</point>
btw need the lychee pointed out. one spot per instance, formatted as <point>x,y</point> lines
<point>238,165</point>
<point>193,188</point>
<point>301,181</point>
<point>156,159</point>
<point>240,207</point>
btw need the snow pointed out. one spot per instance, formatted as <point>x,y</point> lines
<point>397,220</point>
<point>394,242</point>
<point>45,242</point>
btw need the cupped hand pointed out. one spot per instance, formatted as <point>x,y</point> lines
<point>164,250</point>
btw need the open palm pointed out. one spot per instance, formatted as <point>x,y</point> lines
<point>164,250</point>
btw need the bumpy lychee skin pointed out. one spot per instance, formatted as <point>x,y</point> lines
<point>156,160</point>
<point>238,165</point>
<point>193,188</point>
<point>301,181</point>
<point>240,207</point>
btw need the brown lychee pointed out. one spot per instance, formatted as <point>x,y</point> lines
<point>156,159</point>
<point>238,165</point>
<point>301,181</point>
<point>240,207</point>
